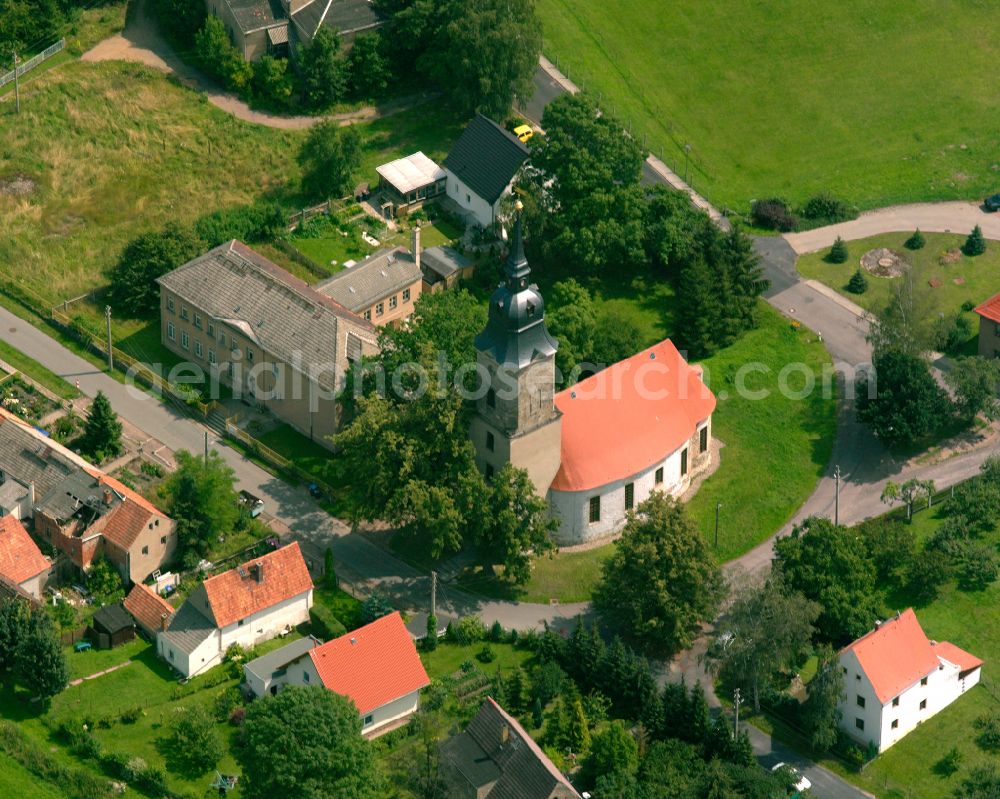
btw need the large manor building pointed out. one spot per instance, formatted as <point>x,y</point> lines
<point>599,448</point>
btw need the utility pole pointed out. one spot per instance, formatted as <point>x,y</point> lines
<point>737,701</point>
<point>434,585</point>
<point>206,448</point>
<point>17,85</point>
<point>111,354</point>
<point>836,500</point>
<point>718,507</point>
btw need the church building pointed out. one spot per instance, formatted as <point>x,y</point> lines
<point>599,448</point>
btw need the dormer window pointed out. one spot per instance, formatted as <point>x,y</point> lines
<point>530,308</point>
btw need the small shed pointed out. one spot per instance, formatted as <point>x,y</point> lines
<point>112,626</point>
<point>442,267</point>
<point>409,181</point>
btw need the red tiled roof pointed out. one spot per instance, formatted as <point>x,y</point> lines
<point>629,416</point>
<point>125,522</point>
<point>898,653</point>
<point>233,597</point>
<point>991,308</point>
<point>373,665</point>
<point>20,559</point>
<point>959,657</point>
<point>147,607</point>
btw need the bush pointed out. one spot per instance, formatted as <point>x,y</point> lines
<point>968,305</point>
<point>838,252</point>
<point>226,703</point>
<point>975,244</point>
<point>151,469</point>
<point>486,654</point>
<point>773,214</point>
<point>858,284</point>
<point>132,715</point>
<point>948,764</point>
<point>828,209</point>
<point>469,630</point>
<point>989,731</point>
<point>916,241</point>
<point>219,58</point>
<point>496,632</point>
<point>468,666</point>
<point>951,333</point>
<point>248,223</point>
<point>237,716</point>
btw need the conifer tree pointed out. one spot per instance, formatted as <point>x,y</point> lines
<point>516,692</point>
<point>838,252</point>
<point>916,241</point>
<point>39,659</point>
<point>858,284</point>
<point>975,244</point>
<point>698,314</point>
<point>102,433</point>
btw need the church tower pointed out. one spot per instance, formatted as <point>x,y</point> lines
<point>516,419</point>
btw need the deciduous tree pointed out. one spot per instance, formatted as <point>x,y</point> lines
<point>907,405</point>
<point>202,499</point>
<point>820,713</point>
<point>324,70</point>
<point>328,158</point>
<point>329,756</point>
<point>133,290</point>
<point>974,381</point>
<point>367,67</point>
<point>195,744</point>
<point>661,580</point>
<point>40,664</point>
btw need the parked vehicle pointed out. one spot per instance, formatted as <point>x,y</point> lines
<point>992,203</point>
<point>524,132</point>
<point>801,783</point>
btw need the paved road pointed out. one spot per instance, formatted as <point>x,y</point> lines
<point>292,506</point>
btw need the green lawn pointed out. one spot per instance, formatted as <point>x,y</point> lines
<point>17,781</point>
<point>448,658</point>
<point>968,279</point>
<point>342,605</point>
<point>308,455</point>
<point>83,664</point>
<point>37,372</point>
<point>782,99</point>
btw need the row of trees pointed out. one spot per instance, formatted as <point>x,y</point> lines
<point>30,653</point>
<point>28,26</point>
<point>591,216</point>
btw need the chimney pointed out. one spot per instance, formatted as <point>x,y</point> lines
<point>416,245</point>
<point>107,497</point>
<point>878,623</point>
<point>258,572</point>
<point>504,735</point>
<point>164,621</point>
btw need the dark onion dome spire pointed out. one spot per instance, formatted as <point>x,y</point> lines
<point>515,333</point>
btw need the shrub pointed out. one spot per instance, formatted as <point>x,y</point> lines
<point>325,625</point>
<point>486,654</point>
<point>950,333</point>
<point>989,731</point>
<point>968,305</point>
<point>838,252</point>
<point>773,214</point>
<point>948,764</point>
<point>237,716</point>
<point>248,223</point>
<point>469,630</point>
<point>858,284</point>
<point>916,241</point>
<point>828,209</point>
<point>496,632</point>
<point>151,469</point>
<point>226,703</point>
<point>219,58</point>
<point>468,666</point>
<point>132,715</point>
<point>975,244</point>
<point>431,637</point>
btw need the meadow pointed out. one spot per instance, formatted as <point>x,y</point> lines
<point>878,102</point>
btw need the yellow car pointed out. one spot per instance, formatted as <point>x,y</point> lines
<point>524,132</point>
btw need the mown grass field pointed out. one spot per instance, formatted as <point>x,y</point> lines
<point>878,102</point>
<point>967,280</point>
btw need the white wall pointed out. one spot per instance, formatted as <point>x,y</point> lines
<point>205,655</point>
<point>267,624</point>
<point>35,584</point>
<point>393,711</point>
<point>469,200</point>
<point>572,508</point>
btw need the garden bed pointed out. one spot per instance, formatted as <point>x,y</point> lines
<point>21,398</point>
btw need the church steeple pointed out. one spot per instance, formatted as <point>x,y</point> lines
<point>515,334</point>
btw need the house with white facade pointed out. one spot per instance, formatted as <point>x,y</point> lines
<point>895,678</point>
<point>481,168</point>
<point>599,448</point>
<point>376,666</point>
<point>251,603</point>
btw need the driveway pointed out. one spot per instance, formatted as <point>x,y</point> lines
<point>356,556</point>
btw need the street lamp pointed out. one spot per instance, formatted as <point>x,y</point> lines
<point>718,507</point>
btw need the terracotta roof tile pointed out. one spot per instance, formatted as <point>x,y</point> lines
<point>990,309</point>
<point>627,417</point>
<point>125,522</point>
<point>20,558</point>
<point>898,653</point>
<point>148,607</point>
<point>961,658</point>
<point>232,596</point>
<point>373,665</point>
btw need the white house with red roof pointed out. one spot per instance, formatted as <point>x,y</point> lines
<point>989,327</point>
<point>151,611</point>
<point>595,450</point>
<point>21,561</point>
<point>376,666</point>
<point>896,678</point>
<point>247,605</point>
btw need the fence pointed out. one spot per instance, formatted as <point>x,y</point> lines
<point>304,260</point>
<point>33,62</point>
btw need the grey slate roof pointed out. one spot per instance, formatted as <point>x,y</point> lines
<point>486,157</point>
<point>282,314</point>
<point>342,16</point>
<point>519,769</point>
<point>266,665</point>
<point>28,460</point>
<point>440,263</point>
<point>188,628</point>
<point>12,492</point>
<point>112,618</point>
<point>382,275</point>
<point>71,495</point>
<point>252,15</point>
